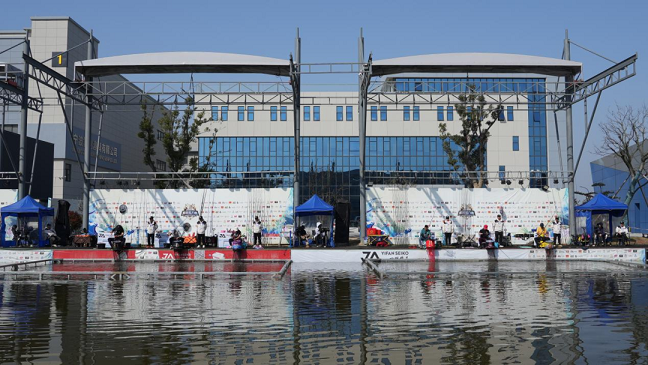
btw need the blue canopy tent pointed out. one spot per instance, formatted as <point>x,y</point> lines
<point>24,211</point>
<point>315,206</point>
<point>600,209</point>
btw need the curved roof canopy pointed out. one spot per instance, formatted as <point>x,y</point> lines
<point>476,63</point>
<point>182,62</point>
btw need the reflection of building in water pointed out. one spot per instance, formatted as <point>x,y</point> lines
<point>333,317</point>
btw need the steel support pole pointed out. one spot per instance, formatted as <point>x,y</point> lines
<point>2,127</point>
<point>296,86</point>
<point>22,157</point>
<point>33,166</point>
<point>86,146</point>
<point>362,131</point>
<point>569,88</point>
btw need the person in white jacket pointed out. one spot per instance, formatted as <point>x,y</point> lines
<point>257,228</point>
<point>622,233</point>
<point>201,228</point>
<point>498,227</point>
<point>150,232</point>
<point>448,229</point>
<point>557,231</point>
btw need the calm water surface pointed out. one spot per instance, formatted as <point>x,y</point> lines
<point>535,312</point>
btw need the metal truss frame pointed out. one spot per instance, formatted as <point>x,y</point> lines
<point>59,83</point>
<point>595,84</point>
<point>14,95</point>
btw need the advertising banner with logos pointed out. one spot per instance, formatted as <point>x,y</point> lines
<point>7,197</point>
<point>223,210</point>
<point>357,255</point>
<point>15,256</point>
<point>402,212</point>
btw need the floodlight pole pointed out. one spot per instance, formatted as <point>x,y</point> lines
<point>24,107</point>
<point>569,89</point>
<point>86,146</point>
<point>295,80</point>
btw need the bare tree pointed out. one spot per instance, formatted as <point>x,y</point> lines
<point>624,136</point>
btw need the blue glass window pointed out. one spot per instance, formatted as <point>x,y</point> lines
<point>214,112</point>
<point>417,114</point>
<point>500,115</point>
<point>450,113</point>
<point>509,113</point>
<point>273,113</point>
<point>349,113</point>
<point>516,143</point>
<point>502,172</point>
<point>306,113</point>
<point>224,111</point>
<point>383,113</point>
<point>241,113</point>
<point>250,114</point>
<point>284,113</point>
<point>440,113</point>
<point>374,113</point>
<point>316,113</point>
<point>406,113</point>
<point>339,113</point>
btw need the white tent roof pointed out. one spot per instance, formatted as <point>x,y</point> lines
<point>183,62</point>
<point>477,63</point>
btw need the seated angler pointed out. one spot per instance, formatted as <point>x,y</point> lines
<point>622,234</point>
<point>301,235</point>
<point>118,242</point>
<point>600,236</point>
<point>484,237</point>
<point>424,236</point>
<point>542,237</point>
<point>50,235</point>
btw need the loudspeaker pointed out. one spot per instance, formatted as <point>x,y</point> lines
<point>62,222</point>
<point>342,220</point>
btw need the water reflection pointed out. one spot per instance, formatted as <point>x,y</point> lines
<point>317,316</point>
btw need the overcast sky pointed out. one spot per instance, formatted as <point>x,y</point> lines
<point>329,31</point>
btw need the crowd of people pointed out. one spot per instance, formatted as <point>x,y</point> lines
<point>496,237</point>
<point>237,240</point>
<point>318,238</point>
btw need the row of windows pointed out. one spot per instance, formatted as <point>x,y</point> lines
<point>462,85</point>
<point>409,113</point>
<point>240,154</point>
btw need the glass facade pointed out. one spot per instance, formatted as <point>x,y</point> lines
<point>535,89</point>
<point>329,165</point>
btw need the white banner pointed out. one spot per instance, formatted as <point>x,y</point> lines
<point>222,209</point>
<point>637,255</point>
<point>10,256</point>
<point>356,255</point>
<point>402,212</point>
